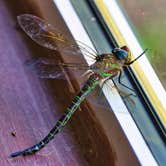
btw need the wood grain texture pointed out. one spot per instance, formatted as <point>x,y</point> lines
<point>29,106</point>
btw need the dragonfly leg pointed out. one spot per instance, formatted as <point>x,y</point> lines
<point>123,94</point>
<point>120,82</point>
<point>119,90</point>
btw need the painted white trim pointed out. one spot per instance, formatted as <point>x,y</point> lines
<point>127,123</point>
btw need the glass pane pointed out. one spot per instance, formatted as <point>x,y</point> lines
<point>149,22</point>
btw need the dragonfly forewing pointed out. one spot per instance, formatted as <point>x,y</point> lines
<point>41,32</point>
<point>50,37</point>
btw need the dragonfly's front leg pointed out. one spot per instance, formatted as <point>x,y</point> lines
<point>120,82</point>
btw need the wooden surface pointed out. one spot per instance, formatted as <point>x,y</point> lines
<point>29,106</point>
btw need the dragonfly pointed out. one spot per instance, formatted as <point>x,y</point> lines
<point>106,66</point>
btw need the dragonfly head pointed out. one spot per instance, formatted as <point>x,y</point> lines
<point>121,53</point>
<point>125,54</point>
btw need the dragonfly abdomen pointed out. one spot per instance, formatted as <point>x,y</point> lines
<point>89,85</point>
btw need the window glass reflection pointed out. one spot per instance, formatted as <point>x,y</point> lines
<point>149,20</point>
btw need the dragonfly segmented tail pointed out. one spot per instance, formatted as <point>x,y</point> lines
<point>89,85</point>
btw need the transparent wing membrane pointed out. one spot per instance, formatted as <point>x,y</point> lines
<point>48,68</point>
<point>52,38</point>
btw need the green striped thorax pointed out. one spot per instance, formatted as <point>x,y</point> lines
<point>109,64</point>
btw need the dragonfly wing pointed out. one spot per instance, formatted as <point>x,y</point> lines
<point>40,31</point>
<point>48,68</point>
<point>50,37</point>
<point>98,99</point>
<point>45,68</point>
<point>53,75</point>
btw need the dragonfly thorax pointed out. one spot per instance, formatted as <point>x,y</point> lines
<point>107,65</point>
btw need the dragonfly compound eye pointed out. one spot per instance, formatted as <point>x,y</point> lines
<point>120,53</point>
<point>125,48</point>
